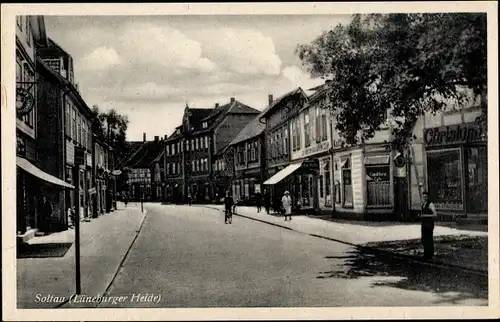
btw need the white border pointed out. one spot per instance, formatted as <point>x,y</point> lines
<point>8,160</point>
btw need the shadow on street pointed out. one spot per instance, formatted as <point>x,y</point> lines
<point>451,285</point>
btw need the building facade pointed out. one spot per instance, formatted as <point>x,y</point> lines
<point>311,146</point>
<point>449,159</point>
<point>194,146</point>
<point>98,194</point>
<point>67,120</point>
<point>279,137</point>
<point>249,160</point>
<point>35,177</point>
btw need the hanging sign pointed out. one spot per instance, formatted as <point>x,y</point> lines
<point>24,101</point>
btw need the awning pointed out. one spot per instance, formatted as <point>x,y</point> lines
<point>32,169</point>
<point>377,159</point>
<point>283,174</point>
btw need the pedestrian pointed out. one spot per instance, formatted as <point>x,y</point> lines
<point>258,201</point>
<point>267,201</point>
<point>427,217</point>
<point>72,216</point>
<point>46,215</point>
<point>228,208</point>
<point>125,200</point>
<point>190,199</point>
<point>286,201</point>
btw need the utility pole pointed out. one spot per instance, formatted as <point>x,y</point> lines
<point>77,229</point>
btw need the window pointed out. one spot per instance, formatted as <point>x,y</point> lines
<point>347,184</point>
<point>84,135</point>
<point>324,134</point>
<point>321,192</point>
<point>444,170</point>
<point>173,149</point>
<point>205,125</point>
<point>285,141</point>
<point>318,125</point>
<point>378,180</point>
<point>327,179</point>
<point>167,149</point>
<point>73,129</point>
<point>307,141</point>
<point>206,142</point>
<point>179,147</point>
<point>192,145</point>
<point>19,71</point>
<point>174,170</point>
<point>193,166</point>
<point>206,164</point>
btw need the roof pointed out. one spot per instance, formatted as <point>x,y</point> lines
<point>223,149</point>
<point>233,107</point>
<point>251,130</point>
<point>281,98</point>
<point>133,147</point>
<point>198,115</point>
<point>65,82</point>
<point>146,155</point>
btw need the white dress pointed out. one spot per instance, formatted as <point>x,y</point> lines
<point>286,201</point>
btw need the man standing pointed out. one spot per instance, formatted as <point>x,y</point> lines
<point>45,214</point>
<point>267,201</point>
<point>286,201</point>
<point>258,201</point>
<point>427,217</point>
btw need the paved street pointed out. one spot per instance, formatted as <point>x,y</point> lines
<point>189,257</point>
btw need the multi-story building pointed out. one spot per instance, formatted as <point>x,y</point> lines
<point>249,159</point>
<point>310,147</point>
<point>143,167</point>
<point>190,150</point>
<point>65,135</point>
<point>223,172</point>
<point>281,136</point>
<point>35,178</point>
<point>98,195</point>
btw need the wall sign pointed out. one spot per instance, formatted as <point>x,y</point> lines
<point>377,173</point>
<point>24,101</point>
<point>454,134</point>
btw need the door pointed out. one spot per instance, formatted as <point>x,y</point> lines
<point>401,198</point>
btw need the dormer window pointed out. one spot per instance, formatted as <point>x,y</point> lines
<point>178,131</point>
<point>205,125</point>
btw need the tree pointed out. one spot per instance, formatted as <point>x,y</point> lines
<point>113,128</point>
<point>407,64</point>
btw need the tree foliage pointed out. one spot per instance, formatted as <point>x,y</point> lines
<point>111,126</point>
<point>407,64</point>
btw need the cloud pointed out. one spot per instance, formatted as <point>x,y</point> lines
<point>161,46</point>
<point>300,78</point>
<point>100,58</point>
<point>243,51</point>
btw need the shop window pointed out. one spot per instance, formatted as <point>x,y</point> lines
<point>378,180</point>
<point>347,184</point>
<point>477,179</point>
<point>444,171</point>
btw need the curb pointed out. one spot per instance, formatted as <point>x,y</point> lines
<point>119,265</point>
<point>373,249</point>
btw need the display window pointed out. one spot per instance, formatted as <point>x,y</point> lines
<point>444,176</point>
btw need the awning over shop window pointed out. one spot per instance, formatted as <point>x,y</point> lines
<point>33,170</point>
<point>283,174</point>
<point>376,159</point>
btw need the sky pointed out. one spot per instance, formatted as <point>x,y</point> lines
<point>149,67</point>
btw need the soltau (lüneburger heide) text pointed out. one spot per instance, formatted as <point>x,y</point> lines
<point>98,299</point>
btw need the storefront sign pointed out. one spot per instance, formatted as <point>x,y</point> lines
<point>313,149</point>
<point>257,188</point>
<point>378,173</point>
<point>454,134</point>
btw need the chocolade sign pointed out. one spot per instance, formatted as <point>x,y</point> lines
<point>455,134</point>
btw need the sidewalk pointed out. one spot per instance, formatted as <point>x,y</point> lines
<point>400,239</point>
<point>44,282</point>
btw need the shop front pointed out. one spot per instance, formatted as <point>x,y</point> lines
<point>457,168</point>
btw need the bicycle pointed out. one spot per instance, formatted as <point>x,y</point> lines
<point>228,216</point>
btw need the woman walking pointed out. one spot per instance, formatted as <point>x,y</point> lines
<point>286,201</point>
<point>427,218</point>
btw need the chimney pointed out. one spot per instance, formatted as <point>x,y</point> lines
<point>166,136</point>
<point>143,137</point>
<point>232,99</point>
<point>270,99</point>
<point>328,81</point>
<point>216,105</point>
<point>157,138</point>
